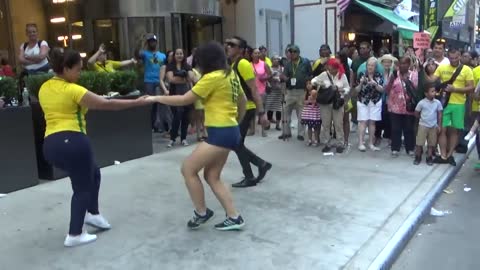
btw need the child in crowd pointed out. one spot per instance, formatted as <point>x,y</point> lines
<point>311,115</point>
<point>429,110</point>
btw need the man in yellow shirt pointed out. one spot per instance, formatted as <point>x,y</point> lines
<point>98,62</point>
<point>476,111</point>
<point>454,112</point>
<point>243,68</point>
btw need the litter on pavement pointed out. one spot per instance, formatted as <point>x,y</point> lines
<point>329,154</point>
<point>448,191</point>
<point>2,195</point>
<point>438,213</point>
<point>116,162</point>
<point>467,189</point>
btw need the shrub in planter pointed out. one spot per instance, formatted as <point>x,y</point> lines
<point>97,82</point>
<point>34,82</point>
<point>8,87</point>
<point>123,82</point>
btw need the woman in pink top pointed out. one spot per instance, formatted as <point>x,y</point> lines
<point>401,83</point>
<point>262,75</point>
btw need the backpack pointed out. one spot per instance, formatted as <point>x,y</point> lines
<point>39,43</point>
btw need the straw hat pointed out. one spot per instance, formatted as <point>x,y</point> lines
<point>388,57</point>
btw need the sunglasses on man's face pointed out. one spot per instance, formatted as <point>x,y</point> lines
<point>293,51</point>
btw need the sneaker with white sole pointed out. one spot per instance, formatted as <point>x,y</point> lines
<point>231,224</point>
<point>170,144</point>
<point>362,148</point>
<point>374,148</point>
<point>97,221</point>
<point>469,136</point>
<point>82,239</point>
<point>185,143</point>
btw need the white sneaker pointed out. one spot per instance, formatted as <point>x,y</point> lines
<point>362,148</point>
<point>374,148</point>
<point>82,239</point>
<point>97,221</point>
<point>395,154</point>
<point>170,144</point>
<point>469,136</point>
<point>185,143</point>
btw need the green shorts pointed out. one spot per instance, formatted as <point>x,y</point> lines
<point>454,116</point>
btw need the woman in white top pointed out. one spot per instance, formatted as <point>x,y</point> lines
<point>33,53</point>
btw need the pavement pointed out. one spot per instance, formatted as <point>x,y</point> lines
<point>451,241</point>
<point>311,212</point>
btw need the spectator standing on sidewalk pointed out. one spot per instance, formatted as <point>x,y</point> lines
<point>439,52</point>
<point>333,78</point>
<point>152,60</point>
<point>99,62</point>
<point>33,53</point>
<point>476,111</point>
<point>264,56</point>
<point>296,73</point>
<point>402,118</point>
<point>273,104</point>
<point>319,66</point>
<point>454,112</point>
<point>262,75</point>
<point>6,69</point>
<point>369,103</point>
<point>244,69</point>
<point>363,56</point>
<point>181,77</point>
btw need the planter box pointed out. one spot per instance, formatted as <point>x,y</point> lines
<point>115,136</point>
<point>18,166</point>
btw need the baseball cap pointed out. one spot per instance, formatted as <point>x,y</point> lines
<point>149,37</point>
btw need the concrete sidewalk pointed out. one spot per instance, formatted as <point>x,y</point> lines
<point>312,212</point>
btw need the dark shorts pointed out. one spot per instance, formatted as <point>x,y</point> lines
<point>226,137</point>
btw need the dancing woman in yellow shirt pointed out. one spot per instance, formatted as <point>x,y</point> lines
<point>66,145</point>
<point>224,102</point>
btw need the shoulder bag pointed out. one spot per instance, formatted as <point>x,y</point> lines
<point>443,95</point>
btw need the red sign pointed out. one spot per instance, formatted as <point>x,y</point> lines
<point>421,40</point>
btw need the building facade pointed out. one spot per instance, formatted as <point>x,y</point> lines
<point>122,24</point>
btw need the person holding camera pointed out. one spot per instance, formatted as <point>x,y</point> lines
<point>180,76</point>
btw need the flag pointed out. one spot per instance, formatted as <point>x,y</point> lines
<point>343,5</point>
<point>404,10</point>
<point>456,7</point>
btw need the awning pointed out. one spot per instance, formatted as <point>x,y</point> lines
<point>405,27</point>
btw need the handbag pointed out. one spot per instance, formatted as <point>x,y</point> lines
<point>412,100</point>
<point>443,95</point>
<point>326,95</point>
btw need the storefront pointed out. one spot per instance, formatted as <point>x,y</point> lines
<point>122,24</point>
<point>383,29</point>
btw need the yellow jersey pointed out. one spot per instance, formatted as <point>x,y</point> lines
<point>476,80</point>
<point>198,104</point>
<point>60,100</point>
<point>110,66</point>
<point>445,72</point>
<point>245,69</point>
<point>268,61</point>
<point>219,94</point>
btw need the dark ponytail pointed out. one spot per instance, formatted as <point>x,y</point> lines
<point>64,58</point>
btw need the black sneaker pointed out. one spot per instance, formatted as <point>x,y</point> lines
<point>451,161</point>
<point>326,149</point>
<point>262,171</point>
<point>198,220</point>
<point>440,160</point>
<point>300,138</point>
<point>417,160</point>
<point>231,224</point>
<point>284,137</point>
<point>429,161</point>
<point>246,182</point>
<point>340,149</point>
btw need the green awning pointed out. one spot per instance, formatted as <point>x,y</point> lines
<point>405,27</point>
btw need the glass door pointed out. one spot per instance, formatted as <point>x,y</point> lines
<point>198,29</point>
<point>6,50</point>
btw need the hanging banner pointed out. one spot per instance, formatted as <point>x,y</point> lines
<point>456,7</point>
<point>431,16</point>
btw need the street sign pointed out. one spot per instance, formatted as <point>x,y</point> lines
<point>421,40</point>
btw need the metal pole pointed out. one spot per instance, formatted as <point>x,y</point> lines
<point>421,27</point>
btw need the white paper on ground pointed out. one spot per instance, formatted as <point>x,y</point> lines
<point>467,189</point>
<point>116,162</point>
<point>439,213</point>
<point>329,154</point>
<point>2,195</point>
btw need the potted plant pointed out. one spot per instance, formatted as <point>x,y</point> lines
<point>115,136</point>
<point>19,166</point>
